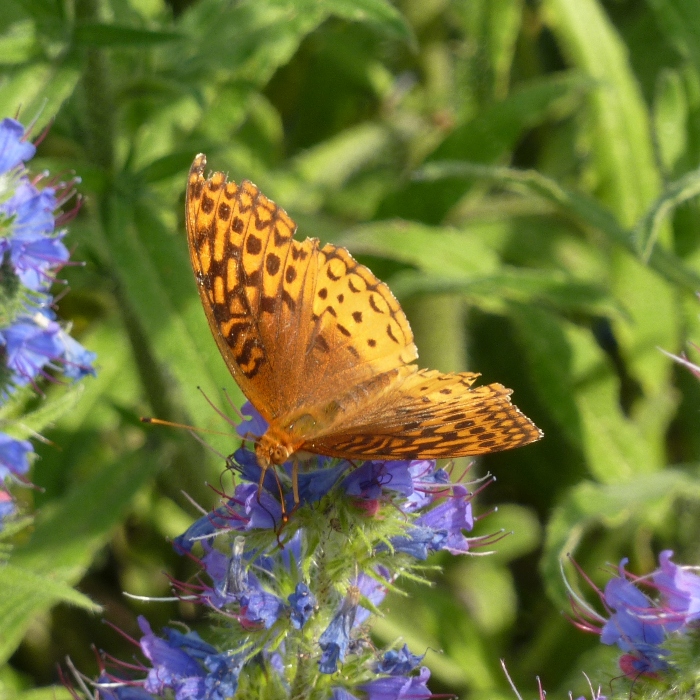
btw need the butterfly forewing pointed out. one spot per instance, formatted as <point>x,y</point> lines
<point>298,327</point>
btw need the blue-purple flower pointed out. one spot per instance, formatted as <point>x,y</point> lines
<point>14,148</point>
<point>302,603</point>
<point>640,624</point>
<point>188,665</point>
<point>14,457</point>
<point>397,687</point>
<point>335,640</point>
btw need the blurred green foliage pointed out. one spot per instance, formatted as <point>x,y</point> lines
<point>521,173</point>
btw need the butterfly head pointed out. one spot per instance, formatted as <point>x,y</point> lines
<point>271,450</point>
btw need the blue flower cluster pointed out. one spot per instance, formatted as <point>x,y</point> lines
<point>31,253</point>
<point>639,624</point>
<point>300,588</point>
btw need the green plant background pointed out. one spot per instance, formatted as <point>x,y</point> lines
<point>521,173</point>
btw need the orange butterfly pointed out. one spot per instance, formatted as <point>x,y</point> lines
<point>321,347</point>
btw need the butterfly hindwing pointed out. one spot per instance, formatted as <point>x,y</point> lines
<point>430,415</point>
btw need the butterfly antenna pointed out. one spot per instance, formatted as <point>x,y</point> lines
<point>190,428</point>
<point>205,444</point>
<point>218,411</point>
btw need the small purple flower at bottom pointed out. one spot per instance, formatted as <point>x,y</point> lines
<point>172,667</point>
<point>635,621</point>
<point>188,665</point>
<point>679,588</point>
<point>335,639</point>
<point>77,361</point>
<point>14,457</point>
<point>342,694</point>
<point>302,603</point>
<point>29,348</point>
<point>399,663</point>
<point>397,687</point>
<point>13,149</point>
<point>453,515</point>
<point>7,506</point>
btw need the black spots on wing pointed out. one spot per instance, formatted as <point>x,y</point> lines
<point>322,293</point>
<point>224,211</point>
<point>371,342</point>
<point>341,298</point>
<point>390,333</point>
<point>446,391</point>
<point>352,287</point>
<point>373,304</point>
<point>207,204</point>
<point>343,330</point>
<point>196,189</point>
<point>331,311</point>
<point>237,224</point>
<point>290,274</point>
<point>272,264</point>
<point>331,275</point>
<point>353,352</point>
<point>464,424</point>
<point>235,332</point>
<point>357,316</point>
<point>253,245</point>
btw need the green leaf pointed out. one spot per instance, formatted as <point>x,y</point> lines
<point>39,90</point>
<point>52,692</point>
<point>111,35</point>
<point>154,268</point>
<point>23,594</point>
<point>680,21</point>
<point>67,536</point>
<point>550,288</point>
<point>647,230</point>
<point>550,358</point>
<point>589,505</point>
<point>486,138</point>
<point>622,144</point>
<point>432,249</point>
<point>380,13</point>
<point>30,424</point>
<point>587,210</point>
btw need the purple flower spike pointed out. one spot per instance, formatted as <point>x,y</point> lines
<point>13,150</point>
<point>77,361</point>
<point>14,457</point>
